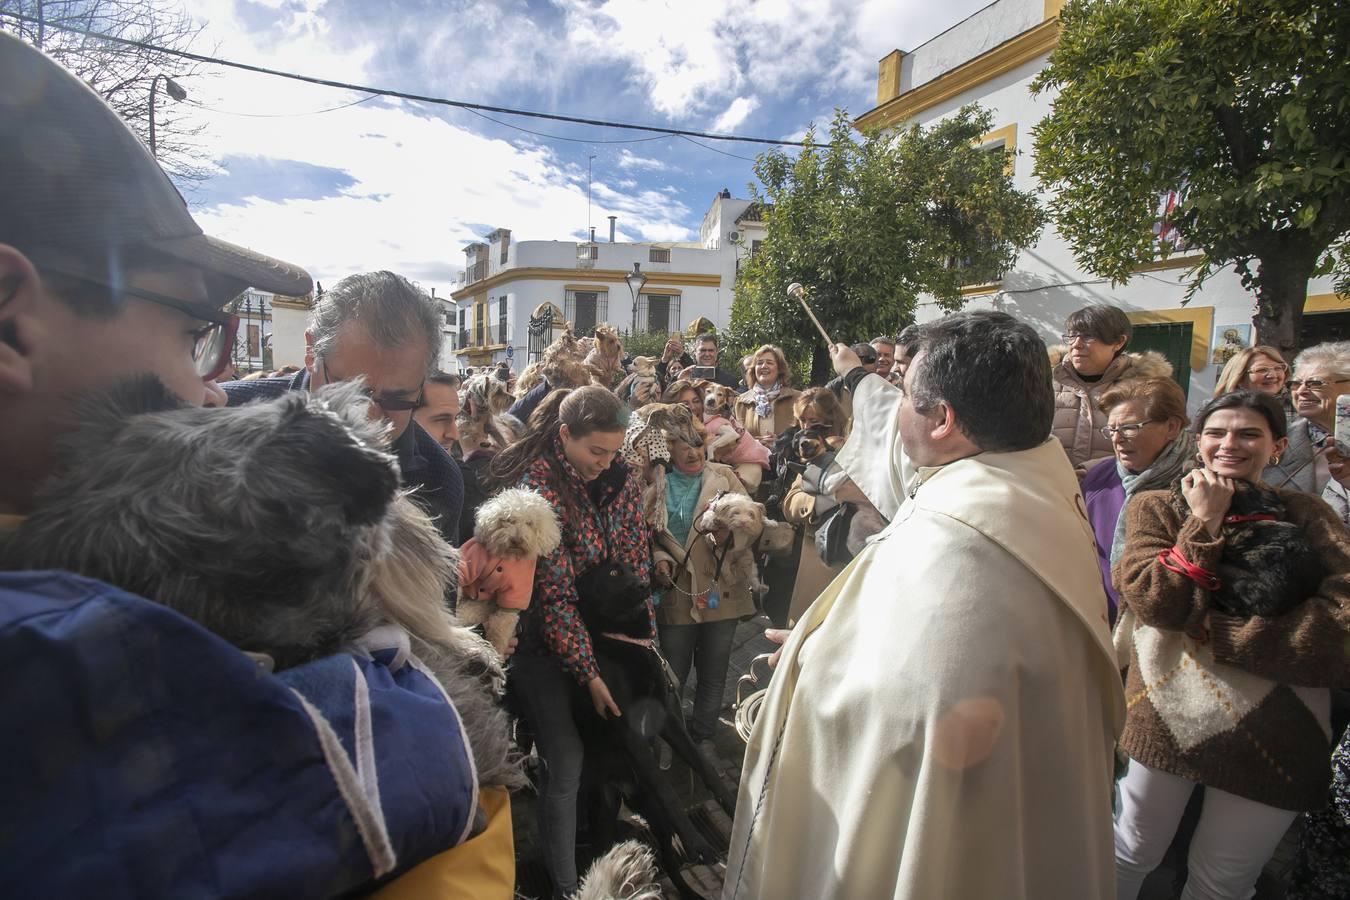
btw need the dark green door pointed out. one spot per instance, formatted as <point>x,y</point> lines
<point>1172,340</point>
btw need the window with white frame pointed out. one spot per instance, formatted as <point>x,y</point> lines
<point>659,255</point>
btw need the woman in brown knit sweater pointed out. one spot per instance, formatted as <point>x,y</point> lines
<point>1236,703</point>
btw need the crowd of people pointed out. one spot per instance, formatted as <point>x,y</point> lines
<point>1027,602</point>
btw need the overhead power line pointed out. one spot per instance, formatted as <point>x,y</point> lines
<point>404,95</point>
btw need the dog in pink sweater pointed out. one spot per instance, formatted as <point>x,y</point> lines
<point>496,566</point>
<point>724,431</point>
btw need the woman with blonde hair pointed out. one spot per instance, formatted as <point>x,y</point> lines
<point>1260,368</point>
<point>766,408</point>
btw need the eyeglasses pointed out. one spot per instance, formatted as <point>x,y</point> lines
<point>1263,371</point>
<point>1074,337</point>
<point>1313,384</point>
<point>383,401</point>
<point>1129,431</point>
<point>211,344</point>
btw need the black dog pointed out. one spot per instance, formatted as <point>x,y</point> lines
<point>620,763</point>
<point>1267,566</point>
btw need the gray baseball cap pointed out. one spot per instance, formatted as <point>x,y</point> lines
<point>78,188</point>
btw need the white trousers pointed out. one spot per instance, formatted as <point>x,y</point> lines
<point>1233,841</point>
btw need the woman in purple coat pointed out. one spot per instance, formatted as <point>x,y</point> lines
<point>1145,423</point>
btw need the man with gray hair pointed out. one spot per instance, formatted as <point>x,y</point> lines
<point>380,327</point>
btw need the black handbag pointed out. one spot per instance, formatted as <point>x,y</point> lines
<point>832,534</point>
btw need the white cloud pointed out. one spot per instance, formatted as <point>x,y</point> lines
<point>735,114</point>
<point>708,52</point>
<point>630,160</point>
<point>423,185</point>
<point>422,189</point>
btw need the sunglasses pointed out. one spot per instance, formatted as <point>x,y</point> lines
<point>383,401</point>
<point>211,344</point>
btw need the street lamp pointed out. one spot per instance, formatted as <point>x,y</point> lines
<point>175,91</point>
<point>635,281</point>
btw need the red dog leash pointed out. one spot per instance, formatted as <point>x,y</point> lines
<point>1173,561</point>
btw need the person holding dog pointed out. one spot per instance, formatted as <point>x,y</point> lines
<point>941,721</point>
<point>821,487</point>
<point>210,775</point>
<point>570,455</point>
<point>1223,692</point>
<point>697,611</point>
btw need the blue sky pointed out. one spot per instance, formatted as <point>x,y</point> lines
<point>401,185</point>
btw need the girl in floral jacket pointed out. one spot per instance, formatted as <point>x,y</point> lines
<point>569,455</point>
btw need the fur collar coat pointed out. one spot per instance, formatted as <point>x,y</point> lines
<point>1077,419</point>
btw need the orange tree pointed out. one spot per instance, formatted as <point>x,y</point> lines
<point>870,222</point>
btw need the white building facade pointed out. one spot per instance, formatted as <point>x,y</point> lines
<point>991,58</point>
<point>271,331</point>
<point>509,284</point>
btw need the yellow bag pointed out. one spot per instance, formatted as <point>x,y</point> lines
<point>482,868</point>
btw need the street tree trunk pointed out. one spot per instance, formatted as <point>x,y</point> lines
<point>1280,295</point>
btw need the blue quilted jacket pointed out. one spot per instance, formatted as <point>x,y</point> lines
<point>144,757</point>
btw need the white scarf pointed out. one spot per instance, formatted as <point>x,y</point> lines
<point>764,399</point>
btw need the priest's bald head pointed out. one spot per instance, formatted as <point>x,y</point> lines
<point>980,381</point>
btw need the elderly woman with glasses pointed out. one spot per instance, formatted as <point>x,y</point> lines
<point>1145,423</point>
<point>1310,463</point>
<point>1092,359</point>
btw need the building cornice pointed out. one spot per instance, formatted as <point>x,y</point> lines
<point>992,63</point>
<point>590,277</point>
<point>301,303</point>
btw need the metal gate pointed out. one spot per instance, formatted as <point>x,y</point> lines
<point>540,329</point>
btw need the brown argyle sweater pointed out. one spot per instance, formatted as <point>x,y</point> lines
<point>1245,710</point>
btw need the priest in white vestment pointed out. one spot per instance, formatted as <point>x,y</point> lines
<point>941,722</point>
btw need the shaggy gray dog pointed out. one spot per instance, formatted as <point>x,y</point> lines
<point>279,526</point>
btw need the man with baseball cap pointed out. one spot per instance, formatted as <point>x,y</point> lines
<point>143,755</point>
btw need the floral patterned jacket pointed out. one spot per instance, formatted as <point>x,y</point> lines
<point>610,522</point>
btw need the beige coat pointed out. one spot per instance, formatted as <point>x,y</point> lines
<point>1077,419</point>
<point>781,420</point>
<point>813,576</point>
<point>695,564</point>
<point>942,720</point>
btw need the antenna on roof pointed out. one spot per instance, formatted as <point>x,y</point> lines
<point>588,194</point>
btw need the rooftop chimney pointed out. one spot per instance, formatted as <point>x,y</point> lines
<point>592,234</point>
<point>612,220</point>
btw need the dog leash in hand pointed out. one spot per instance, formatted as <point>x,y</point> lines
<point>646,644</point>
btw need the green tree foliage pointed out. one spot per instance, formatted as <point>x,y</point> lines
<point>1241,103</point>
<point>868,224</point>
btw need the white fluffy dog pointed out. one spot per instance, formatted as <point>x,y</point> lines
<point>496,566</point>
<point>744,519</point>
